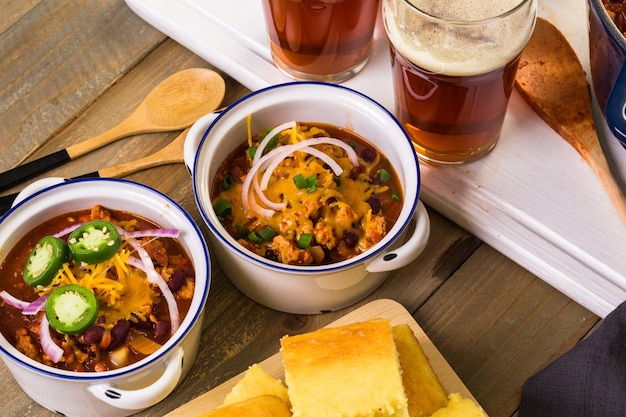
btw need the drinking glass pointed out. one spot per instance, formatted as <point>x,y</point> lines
<point>454,64</point>
<point>320,40</point>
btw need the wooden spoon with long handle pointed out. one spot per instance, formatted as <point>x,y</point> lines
<point>175,104</point>
<point>552,80</point>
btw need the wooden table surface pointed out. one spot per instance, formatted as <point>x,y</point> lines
<point>71,70</point>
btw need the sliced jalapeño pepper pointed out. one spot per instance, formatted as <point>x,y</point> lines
<point>94,242</point>
<point>71,309</point>
<point>45,260</point>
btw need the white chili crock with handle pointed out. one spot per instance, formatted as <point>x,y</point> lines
<point>127,390</point>
<point>308,289</point>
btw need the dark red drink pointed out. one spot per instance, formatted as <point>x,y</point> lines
<point>451,119</point>
<point>454,66</point>
<point>325,40</point>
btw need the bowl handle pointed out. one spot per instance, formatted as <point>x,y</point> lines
<point>616,107</point>
<point>194,137</point>
<point>407,253</point>
<point>144,397</point>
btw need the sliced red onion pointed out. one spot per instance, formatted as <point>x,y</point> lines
<point>12,301</point>
<point>270,135</point>
<point>271,160</point>
<point>311,151</point>
<point>257,208</point>
<point>269,203</point>
<point>173,233</point>
<point>67,230</point>
<point>155,278</point>
<point>36,306</point>
<point>245,188</point>
<point>136,262</point>
<point>328,160</point>
<point>49,347</point>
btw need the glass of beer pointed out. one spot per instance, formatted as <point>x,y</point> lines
<point>454,64</point>
<point>320,40</point>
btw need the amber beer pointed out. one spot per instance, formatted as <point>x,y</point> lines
<point>323,40</point>
<point>451,119</point>
<point>452,81</point>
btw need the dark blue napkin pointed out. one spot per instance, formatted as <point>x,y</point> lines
<point>587,381</point>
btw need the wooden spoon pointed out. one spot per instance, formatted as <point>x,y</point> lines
<point>175,104</point>
<point>170,154</point>
<point>552,80</point>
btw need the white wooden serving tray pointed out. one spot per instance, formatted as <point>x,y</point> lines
<point>533,198</point>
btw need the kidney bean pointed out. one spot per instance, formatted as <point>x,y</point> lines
<point>177,280</point>
<point>350,239</point>
<point>93,335</point>
<point>162,329</point>
<point>138,323</point>
<point>119,333</point>
<point>374,203</point>
<point>368,154</point>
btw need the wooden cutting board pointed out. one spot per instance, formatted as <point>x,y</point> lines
<point>380,308</point>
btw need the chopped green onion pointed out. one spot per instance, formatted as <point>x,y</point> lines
<point>299,181</point>
<point>267,234</point>
<point>384,175</point>
<point>255,237</point>
<point>311,184</point>
<point>228,182</point>
<point>222,208</point>
<point>305,240</point>
<point>264,134</point>
<point>252,151</point>
<point>240,231</point>
<point>337,180</point>
<point>272,143</point>
<point>395,196</point>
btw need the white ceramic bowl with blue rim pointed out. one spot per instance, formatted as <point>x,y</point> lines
<point>308,289</point>
<point>127,390</point>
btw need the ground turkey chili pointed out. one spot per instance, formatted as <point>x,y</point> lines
<point>307,194</point>
<point>94,290</point>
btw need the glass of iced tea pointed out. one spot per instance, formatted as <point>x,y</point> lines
<point>454,64</point>
<point>320,40</point>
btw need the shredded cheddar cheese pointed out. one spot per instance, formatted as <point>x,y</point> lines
<point>335,202</point>
<point>128,297</point>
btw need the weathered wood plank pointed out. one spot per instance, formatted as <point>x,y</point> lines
<point>57,60</point>
<point>497,324</point>
<point>13,10</point>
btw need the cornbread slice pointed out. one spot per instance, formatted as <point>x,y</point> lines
<point>348,371</point>
<point>261,406</point>
<point>256,382</point>
<point>460,407</point>
<point>424,391</point>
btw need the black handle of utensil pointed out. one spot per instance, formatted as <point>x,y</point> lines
<point>6,201</point>
<point>30,169</point>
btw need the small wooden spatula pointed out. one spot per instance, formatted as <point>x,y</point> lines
<point>552,80</point>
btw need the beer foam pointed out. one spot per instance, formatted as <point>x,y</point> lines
<point>458,49</point>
